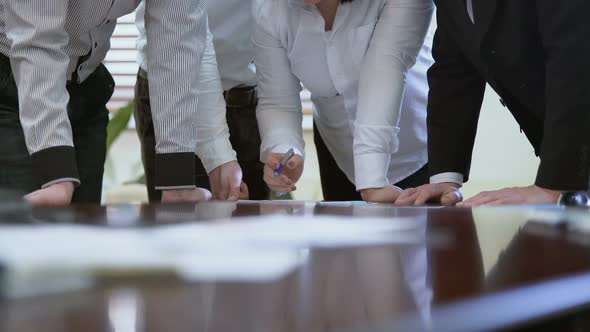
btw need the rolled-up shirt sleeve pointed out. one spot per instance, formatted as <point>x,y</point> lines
<point>39,63</point>
<point>279,110</point>
<point>213,144</point>
<point>176,39</point>
<point>396,42</point>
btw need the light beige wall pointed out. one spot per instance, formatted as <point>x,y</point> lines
<point>502,155</point>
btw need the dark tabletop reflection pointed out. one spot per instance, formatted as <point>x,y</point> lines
<point>462,256</point>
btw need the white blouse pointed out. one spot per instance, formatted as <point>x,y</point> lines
<point>356,74</point>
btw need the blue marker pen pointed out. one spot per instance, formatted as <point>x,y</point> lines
<point>284,161</point>
<point>282,164</point>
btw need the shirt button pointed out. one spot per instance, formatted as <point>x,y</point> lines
<point>502,102</point>
<point>95,44</point>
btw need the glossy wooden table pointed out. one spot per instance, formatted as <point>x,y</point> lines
<point>481,269</point>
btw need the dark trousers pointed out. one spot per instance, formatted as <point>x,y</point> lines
<point>244,137</point>
<point>335,184</point>
<point>89,119</point>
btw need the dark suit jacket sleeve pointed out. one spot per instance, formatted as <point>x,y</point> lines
<point>565,151</point>
<point>454,101</point>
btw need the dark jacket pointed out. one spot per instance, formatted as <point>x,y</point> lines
<point>536,55</point>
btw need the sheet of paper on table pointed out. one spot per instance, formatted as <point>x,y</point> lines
<point>43,258</point>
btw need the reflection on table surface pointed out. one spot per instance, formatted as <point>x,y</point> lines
<point>466,255</point>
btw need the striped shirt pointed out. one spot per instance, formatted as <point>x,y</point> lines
<point>47,41</point>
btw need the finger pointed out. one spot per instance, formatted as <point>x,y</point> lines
<point>285,189</point>
<point>480,199</point>
<point>223,192</point>
<point>244,192</point>
<point>407,198</point>
<point>407,193</point>
<point>285,180</point>
<point>272,180</point>
<point>426,195</point>
<point>30,196</point>
<point>269,176</point>
<point>234,190</point>
<point>203,194</point>
<point>451,198</point>
<point>292,164</point>
<point>273,161</point>
<point>280,188</point>
<point>280,180</point>
<point>34,198</point>
<point>496,202</point>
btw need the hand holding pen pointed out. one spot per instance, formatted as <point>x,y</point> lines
<point>282,171</point>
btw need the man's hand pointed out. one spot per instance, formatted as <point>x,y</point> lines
<point>185,195</point>
<point>514,196</point>
<point>447,194</point>
<point>387,194</point>
<point>59,194</point>
<point>291,173</point>
<point>226,182</point>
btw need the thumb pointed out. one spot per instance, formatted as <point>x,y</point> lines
<point>292,164</point>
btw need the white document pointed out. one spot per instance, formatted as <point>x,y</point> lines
<point>239,249</point>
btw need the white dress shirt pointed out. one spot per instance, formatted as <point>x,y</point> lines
<point>213,146</point>
<point>376,42</point>
<point>45,41</point>
<point>230,22</point>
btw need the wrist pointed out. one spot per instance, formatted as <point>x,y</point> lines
<point>67,186</point>
<point>556,194</point>
<point>175,171</point>
<point>55,165</point>
<point>452,184</point>
<point>178,191</point>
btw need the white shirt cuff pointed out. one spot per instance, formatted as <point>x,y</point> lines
<point>74,180</point>
<point>215,153</point>
<point>174,187</point>
<point>371,170</point>
<point>283,148</point>
<point>448,177</point>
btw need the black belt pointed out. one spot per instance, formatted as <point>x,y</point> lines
<point>238,96</point>
<point>241,96</point>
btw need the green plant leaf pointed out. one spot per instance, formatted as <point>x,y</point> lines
<point>118,123</point>
<point>285,197</point>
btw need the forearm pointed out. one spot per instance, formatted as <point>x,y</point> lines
<point>213,144</point>
<point>280,130</point>
<point>176,32</point>
<point>39,65</point>
<point>454,103</point>
<point>279,112</point>
<point>397,40</point>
